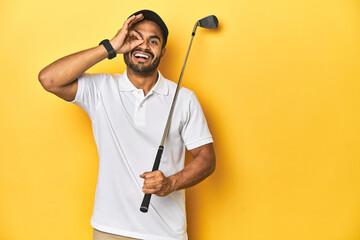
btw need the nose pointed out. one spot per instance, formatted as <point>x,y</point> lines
<point>145,45</point>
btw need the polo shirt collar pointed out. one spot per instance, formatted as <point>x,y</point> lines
<point>161,87</point>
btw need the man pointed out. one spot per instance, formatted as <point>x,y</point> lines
<point>128,113</point>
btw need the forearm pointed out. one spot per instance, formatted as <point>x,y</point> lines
<point>194,172</point>
<point>67,69</point>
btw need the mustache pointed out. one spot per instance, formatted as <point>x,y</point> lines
<point>142,50</point>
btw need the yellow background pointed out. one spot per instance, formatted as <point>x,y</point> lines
<point>278,82</point>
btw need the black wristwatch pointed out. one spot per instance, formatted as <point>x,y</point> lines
<point>109,48</point>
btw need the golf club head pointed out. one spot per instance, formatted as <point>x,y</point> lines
<point>209,22</point>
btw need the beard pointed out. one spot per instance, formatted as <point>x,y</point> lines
<point>140,68</point>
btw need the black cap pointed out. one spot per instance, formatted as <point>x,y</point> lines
<point>152,16</point>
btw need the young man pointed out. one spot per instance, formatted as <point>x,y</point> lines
<point>128,113</point>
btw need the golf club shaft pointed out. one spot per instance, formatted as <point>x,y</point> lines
<point>146,200</point>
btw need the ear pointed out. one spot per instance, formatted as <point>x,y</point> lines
<point>163,52</point>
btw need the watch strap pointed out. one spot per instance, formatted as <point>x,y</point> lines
<point>108,48</point>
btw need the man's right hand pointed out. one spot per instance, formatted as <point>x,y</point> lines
<point>126,40</point>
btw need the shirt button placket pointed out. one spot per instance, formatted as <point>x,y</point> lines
<point>140,111</point>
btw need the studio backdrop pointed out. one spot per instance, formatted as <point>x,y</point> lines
<point>279,85</point>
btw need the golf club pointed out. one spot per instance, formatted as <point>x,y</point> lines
<point>209,22</point>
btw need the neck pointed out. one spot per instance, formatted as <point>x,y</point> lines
<point>146,83</point>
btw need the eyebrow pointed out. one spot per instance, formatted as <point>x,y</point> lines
<point>152,36</point>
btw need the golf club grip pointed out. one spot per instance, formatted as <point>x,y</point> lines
<point>145,203</point>
<point>146,200</point>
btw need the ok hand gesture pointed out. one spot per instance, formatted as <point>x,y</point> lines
<point>126,40</point>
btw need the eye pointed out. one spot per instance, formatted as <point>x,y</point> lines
<point>154,42</point>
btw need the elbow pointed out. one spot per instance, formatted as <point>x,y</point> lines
<point>46,82</point>
<point>209,158</point>
<point>212,166</point>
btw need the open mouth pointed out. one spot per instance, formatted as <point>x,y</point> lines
<point>142,56</point>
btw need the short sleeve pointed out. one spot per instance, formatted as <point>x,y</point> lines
<point>87,95</point>
<point>195,131</point>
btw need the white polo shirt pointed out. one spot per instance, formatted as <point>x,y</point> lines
<point>128,128</point>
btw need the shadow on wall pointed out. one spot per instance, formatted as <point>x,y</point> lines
<point>194,199</point>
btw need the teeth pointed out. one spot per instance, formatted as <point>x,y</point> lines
<point>141,55</point>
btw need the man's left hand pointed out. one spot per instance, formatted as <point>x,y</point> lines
<point>156,183</point>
